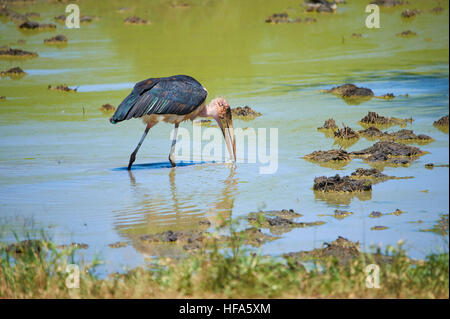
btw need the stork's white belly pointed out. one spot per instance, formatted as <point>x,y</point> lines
<point>152,119</point>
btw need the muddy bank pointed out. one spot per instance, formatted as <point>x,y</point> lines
<point>277,18</point>
<point>59,39</point>
<point>342,249</point>
<point>343,184</point>
<point>16,53</point>
<point>245,112</point>
<point>390,153</point>
<point>378,121</point>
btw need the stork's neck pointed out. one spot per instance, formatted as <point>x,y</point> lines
<point>210,110</point>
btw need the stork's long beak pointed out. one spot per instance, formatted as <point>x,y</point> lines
<point>228,133</point>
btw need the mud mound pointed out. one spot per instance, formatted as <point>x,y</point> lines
<point>374,119</point>
<point>369,173</point>
<point>136,20</point>
<point>61,87</point>
<point>14,72</point>
<point>33,25</point>
<point>346,133</point>
<point>329,156</point>
<point>350,90</point>
<point>59,39</point>
<point>389,151</point>
<point>329,124</point>
<point>320,6</point>
<point>407,34</point>
<point>408,13</point>
<point>16,53</point>
<point>443,121</point>
<point>341,184</point>
<point>107,108</point>
<point>389,3</point>
<point>244,112</point>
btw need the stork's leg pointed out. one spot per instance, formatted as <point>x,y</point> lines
<point>172,149</point>
<point>133,155</point>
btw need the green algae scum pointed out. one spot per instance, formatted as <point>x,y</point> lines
<point>352,120</point>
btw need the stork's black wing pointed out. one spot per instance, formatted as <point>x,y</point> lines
<point>179,94</point>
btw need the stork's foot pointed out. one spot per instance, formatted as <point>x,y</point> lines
<point>172,162</point>
<point>132,159</point>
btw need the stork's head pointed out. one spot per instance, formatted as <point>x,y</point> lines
<point>220,110</point>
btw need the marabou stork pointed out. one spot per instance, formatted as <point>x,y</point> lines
<point>173,100</point>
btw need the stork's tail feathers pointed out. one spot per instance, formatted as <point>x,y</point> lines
<point>124,108</point>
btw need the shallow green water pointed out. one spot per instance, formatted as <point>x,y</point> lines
<point>61,166</point>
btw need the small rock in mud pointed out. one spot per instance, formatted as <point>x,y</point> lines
<point>429,165</point>
<point>13,72</point>
<point>409,13</point>
<point>33,25</point>
<point>441,226</point>
<point>329,156</point>
<point>107,108</point>
<point>59,39</point>
<point>374,119</point>
<point>329,124</point>
<point>281,18</point>
<point>346,133</point>
<point>136,20</point>
<point>350,90</point>
<point>443,121</point>
<point>379,228</point>
<point>341,214</point>
<point>244,112</point>
<point>407,34</point>
<point>375,214</point>
<point>320,6</point>
<point>388,3</point>
<point>392,152</point>
<point>17,53</point>
<point>32,245</point>
<point>62,87</point>
<point>341,184</point>
<point>118,244</point>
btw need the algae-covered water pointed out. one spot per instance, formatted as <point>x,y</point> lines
<point>62,162</point>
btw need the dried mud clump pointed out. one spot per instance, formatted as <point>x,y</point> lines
<point>391,152</point>
<point>16,53</point>
<point>379,228</point>
<point>341,214</point>
<point>372,132</point>
<point>409,136</point>
<point>33,25</point>
<point>329,156</point>
<point>375,214</point>
<point>244,112</point>
<point>277,18</point>
<point>119,244</point>
<point>61,87</point>
<point>443,121</point>
<point>278,225</point>
<point>320,6</point>
<point>136,20</point>
<point>374,119</point>
<point>13,72</point>
<point>346,133</point>
<point>350,90</point>
<point>407,34</point>
<point>107,108</point>
<point>369,173</point>
<point>59,39</point>
<point>329,124</point>
<point>344,184</point>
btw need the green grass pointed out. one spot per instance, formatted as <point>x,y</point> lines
<point>220,273</point>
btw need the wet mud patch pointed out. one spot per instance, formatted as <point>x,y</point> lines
<point>389,153</point>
